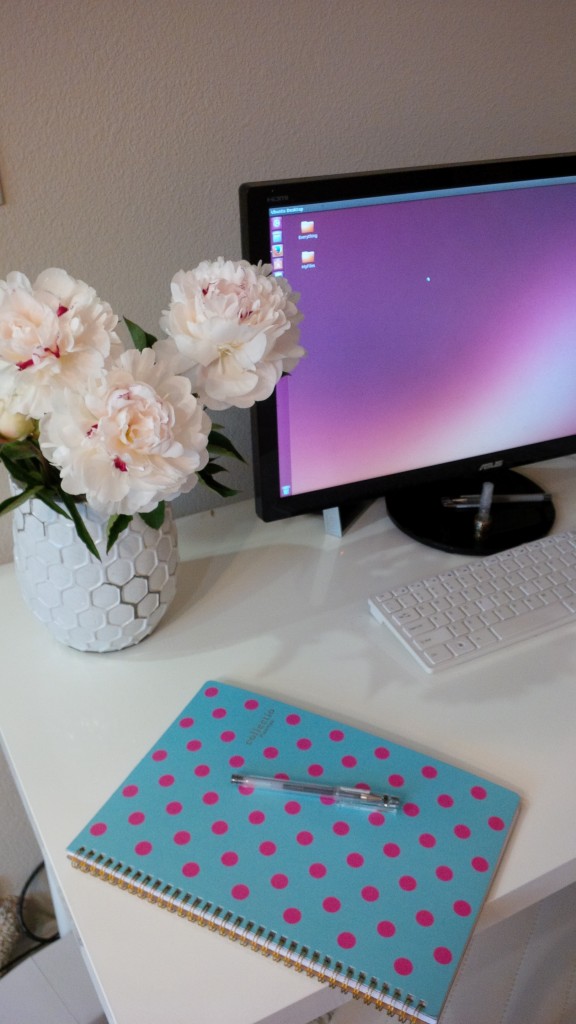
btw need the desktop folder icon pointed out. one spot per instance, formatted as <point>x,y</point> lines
<point>306,227</point>
<point>308,257</point>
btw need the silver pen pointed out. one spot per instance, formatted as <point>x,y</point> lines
<point>473,500</point>
<point>340,794</point>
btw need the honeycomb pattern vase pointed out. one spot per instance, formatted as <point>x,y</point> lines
<point>87,604</point>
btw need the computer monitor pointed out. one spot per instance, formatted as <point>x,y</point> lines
<point>439,311</point>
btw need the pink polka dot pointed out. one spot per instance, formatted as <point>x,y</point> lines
<point>315,770</point>
<point>396,780</point>
<point>462,908</point>
<point>292,807</point>
<point>268,848</point>
<point>407,883</point>
<point>137,818</point>
<point>236,761</point>
<point>346,940</point>
<point>186,723</point>
<point>193,745</point>
<point>292,915</point>
<point>240,892</point>
<point>174,807</point>
<point>425,918</point>
<point>279,881</point>
<point>411,810</point>
<point>143,849</point>
<point>478,792</point>
<point>331,904</point>
<point>462,832</point>
<point>382,753</point>
<point>201,770</point>
<point>228,736</point>
<point>229,859</point>
<point>445,800</point>
<point>442,955</point>
<point>190,869</point>
<point>219,713</point>
<point>293,719</point>
<point>355,860</point>
<point>376,818</point>
<point>349,761</point>
<point>444,873</point>
<point>317,870</point>
<point>270,753</point>
<point>341,828</point>
<point>370,893</point>
<point>211,691</point>
<point>386,929</point>
<point>182,838</point>
<point>496,823</point>
<point>303,743</point>
<point>251,704</point>
<point>166,780</point>
<point>403,966</point>
<point>328,801</point>
<point>304,838</point>
<point>219,828</point>
<point>391,850</point>
<point>429,771</point>
<point>480,864</point>
<point>159,755</point>
<point>210,798</point>
<point>130,791</point>
<point>98,828</point>
<point>246,790</point>
<point>427,840</point>
<point>336,735</point>
<point>256,817</point>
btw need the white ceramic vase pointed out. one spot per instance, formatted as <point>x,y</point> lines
<point>88,604</point>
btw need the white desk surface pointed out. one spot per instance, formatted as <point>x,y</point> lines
<point>279,608</point>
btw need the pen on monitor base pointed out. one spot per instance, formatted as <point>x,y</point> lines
<point>339,794</point>
<point>473,500</point>
<point>483,517</point>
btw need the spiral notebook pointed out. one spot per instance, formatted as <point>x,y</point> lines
<point>381,903</point>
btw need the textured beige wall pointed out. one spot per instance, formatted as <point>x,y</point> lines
<point>126,128</point>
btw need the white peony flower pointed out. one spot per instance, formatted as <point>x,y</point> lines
<point>53,334</point>
<point>14,426</point>
<point>137,436</point>
<point>235,327</point>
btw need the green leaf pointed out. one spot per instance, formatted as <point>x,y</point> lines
<point>80,525</point>
<point>207,476</point>
<point>140,337</point>
<point>18,450</point>
<point>116,525</point>
<point>219,444</point>
<point>155,518</point>
<point>11,503</point>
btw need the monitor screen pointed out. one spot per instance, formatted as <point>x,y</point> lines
<point>440,327</point>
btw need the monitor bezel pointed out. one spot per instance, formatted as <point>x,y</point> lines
<point>256,199</point>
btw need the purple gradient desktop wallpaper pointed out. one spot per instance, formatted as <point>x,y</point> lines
<point>436,329</point>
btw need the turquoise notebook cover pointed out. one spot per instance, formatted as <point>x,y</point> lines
<point>381,902</point>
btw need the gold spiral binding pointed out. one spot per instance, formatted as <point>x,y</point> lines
<point>405,1008</point>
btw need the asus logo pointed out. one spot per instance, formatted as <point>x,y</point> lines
<point>497,464</point>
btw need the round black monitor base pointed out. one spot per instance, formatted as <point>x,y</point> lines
<point>420,512</point>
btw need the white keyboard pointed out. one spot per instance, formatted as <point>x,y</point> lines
<point>484,605</point>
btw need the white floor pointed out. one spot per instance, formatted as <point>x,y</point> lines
<point>522,971</point>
